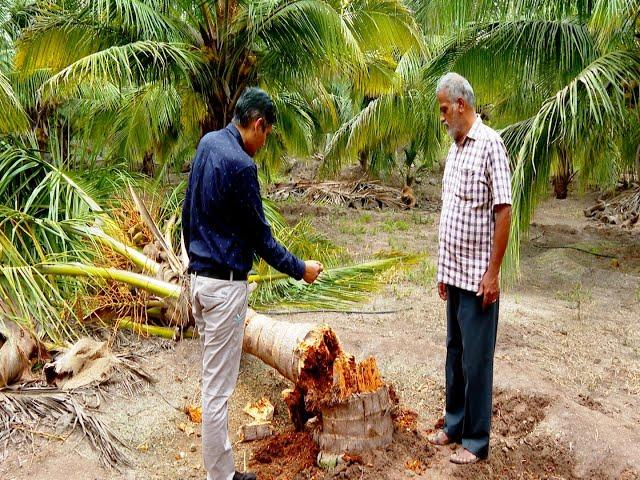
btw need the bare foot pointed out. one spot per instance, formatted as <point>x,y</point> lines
<point>464,457</point>
<point>439,438</point>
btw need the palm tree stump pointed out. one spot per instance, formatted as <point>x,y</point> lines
<point>350,399</point>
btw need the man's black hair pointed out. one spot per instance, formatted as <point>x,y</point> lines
<point>253,104</point>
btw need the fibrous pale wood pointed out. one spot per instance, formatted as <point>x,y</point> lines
<point>359,424</point>
<point>350,378</point>
<point>256,431</point>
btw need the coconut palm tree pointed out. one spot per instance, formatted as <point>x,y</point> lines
<point>558,78</point>
<point>84,82</point>
<point>60,239</point>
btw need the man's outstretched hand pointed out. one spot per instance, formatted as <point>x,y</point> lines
<point>312,268</point>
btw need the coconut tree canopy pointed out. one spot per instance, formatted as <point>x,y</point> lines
<point>559,79</point>
<point>150,76</point>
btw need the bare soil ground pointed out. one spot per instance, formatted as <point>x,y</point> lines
<point>567,370</point>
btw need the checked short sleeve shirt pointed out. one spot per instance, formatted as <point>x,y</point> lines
<point>476,179</point>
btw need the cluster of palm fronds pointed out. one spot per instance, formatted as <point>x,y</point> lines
<point>358,194</point>
<point>120,279</point>
<point>623,209</point>
<point>91,91</point>
<point>559,78</point>
<point>37,411</point>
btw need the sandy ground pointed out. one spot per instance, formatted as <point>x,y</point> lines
<point>567,369</point>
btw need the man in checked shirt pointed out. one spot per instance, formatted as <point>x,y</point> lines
<point>474,230</point>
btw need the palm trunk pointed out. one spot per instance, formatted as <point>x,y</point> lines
<point>363,160</point>
<point>351,399</point>
<point>563,177</point>
<point>148,165</point>
<point>327,382</point>
<point>638,163</point>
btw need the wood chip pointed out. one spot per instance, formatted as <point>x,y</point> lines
<point>256,431</point>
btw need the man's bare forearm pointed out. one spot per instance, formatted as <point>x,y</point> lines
<point>500,238</point>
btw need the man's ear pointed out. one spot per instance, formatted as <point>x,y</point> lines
<point>460,103</point>
<point>260,124</point>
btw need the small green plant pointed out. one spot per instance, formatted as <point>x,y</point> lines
<point>398,244</point>
<point>390,226</point>
<point>577,295</point>
<point>365,218</point>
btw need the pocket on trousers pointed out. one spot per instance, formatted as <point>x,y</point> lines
<point>212,299</point>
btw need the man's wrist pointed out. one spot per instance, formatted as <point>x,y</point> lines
<point>302,268</point>
<point>493,270</point>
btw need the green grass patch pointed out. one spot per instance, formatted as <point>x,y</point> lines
<point>365,218</point>
<point>398,244</point>
<point>420,218</point>
<point>390,226</point>
<point>424,274</point>
<point>350,229</point>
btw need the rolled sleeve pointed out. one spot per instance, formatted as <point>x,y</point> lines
<point>499,173</point>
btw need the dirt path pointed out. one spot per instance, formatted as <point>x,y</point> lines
<point>567,374</point>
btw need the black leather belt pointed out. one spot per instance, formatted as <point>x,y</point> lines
<point>221,273</point>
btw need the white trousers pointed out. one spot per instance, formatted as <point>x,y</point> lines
<point>219,308</point>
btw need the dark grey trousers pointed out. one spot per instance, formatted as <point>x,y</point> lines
<point>471,341</point>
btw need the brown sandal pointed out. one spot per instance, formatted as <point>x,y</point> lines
<point>439,438</point>
<point>459,460</point>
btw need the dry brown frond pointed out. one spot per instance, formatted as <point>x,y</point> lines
<point>359,194</point>
<point>27,410</point>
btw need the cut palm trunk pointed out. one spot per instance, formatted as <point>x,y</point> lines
<point>351,399</point>
<point>328,383</point>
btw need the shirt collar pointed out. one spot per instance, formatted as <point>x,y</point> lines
<point>474,131</point>
<point>236,133</point>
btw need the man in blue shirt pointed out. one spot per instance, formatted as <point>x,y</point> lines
<point>224,226</point>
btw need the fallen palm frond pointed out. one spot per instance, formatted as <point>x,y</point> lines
<point>359,194</point>
<point>158,287</point>
<point>26,410</point>
<point>335,288</point>
<point>172,258</point>
<point>623,210</point>
<point>170,333</point>
<point>95,234</point>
